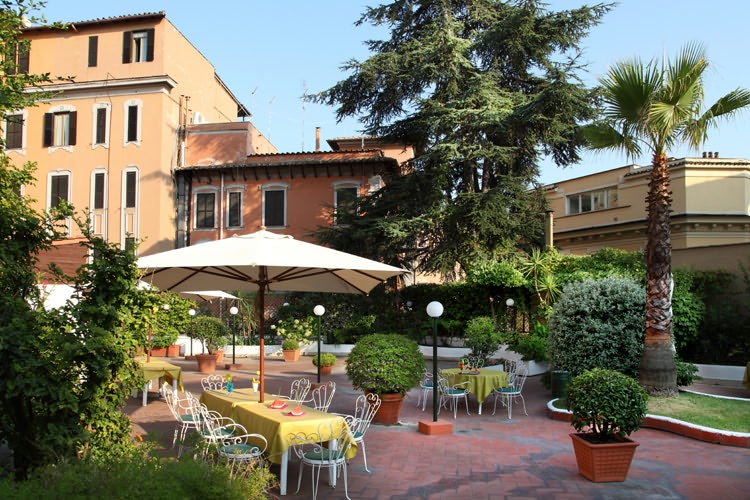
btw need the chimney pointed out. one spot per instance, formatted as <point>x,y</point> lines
<point>317,139</point>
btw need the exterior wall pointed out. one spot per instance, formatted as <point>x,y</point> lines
<point>710,207</point>
<point>177,87</point>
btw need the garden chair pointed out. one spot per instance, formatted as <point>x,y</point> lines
<point>451,394</point>
<point>213,383</point>
<point>240,447</point>
<point>322,395</point>
<point>425,389</point>
<point>298,391</point>
<point>330,455</point>
<point>182,413</point>
<point>513,390</point>
<point>365,408</point>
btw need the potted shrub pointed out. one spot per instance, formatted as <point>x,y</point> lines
<point>290,349</point>
<point>482,337</point>
<point>326,362</point>
<point>607,406</point>
<point>387,365</point>
<point>211,333</point>
<point>294,331</point>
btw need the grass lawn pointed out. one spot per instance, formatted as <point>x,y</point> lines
<point>717,413</point>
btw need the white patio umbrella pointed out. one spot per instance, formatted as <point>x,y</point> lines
<point>263,261</point>
<point>208,295</point>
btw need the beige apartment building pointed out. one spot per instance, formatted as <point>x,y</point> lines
<point>710,217</point>
<point>109,140</point>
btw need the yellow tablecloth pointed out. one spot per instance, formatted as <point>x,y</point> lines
<point>481,384</point>
<point>156,368</point>
<point>746,377</point>
<point>275,425</point>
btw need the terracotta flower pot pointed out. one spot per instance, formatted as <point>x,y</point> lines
<point>291,355</point>
<point>206,362</point>
<point>390,409</point>
<point>219,356</point>
<point>603,462</point>
<point>326,370</point>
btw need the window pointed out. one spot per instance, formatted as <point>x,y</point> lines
<point>274,204</point>
<point>129,201</point>
<point>205,209</point>
<point>234,209</point>
<point>98,191</point>
<point>100,135</point>
<point>93,50</point>
<point>344,196</point>
<point>591,201</point>
<point>58,189</point>
<point>132,126</point>
<point>59,129</point>
<point>98,201</point>
<point>100,132</point>
<point>138,46</point>
<point>131,181</point>
<point>20,59</point>
<point>14,131</point>
<point>130,244</point>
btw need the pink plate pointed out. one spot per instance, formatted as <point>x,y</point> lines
<point>278,407</point>
<point>293,415</point>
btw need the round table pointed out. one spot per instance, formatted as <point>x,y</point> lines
<point>480,384</point>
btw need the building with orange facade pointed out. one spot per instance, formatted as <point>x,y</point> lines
<point>109,140</point>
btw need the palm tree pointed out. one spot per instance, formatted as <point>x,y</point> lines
<point>656,106</point>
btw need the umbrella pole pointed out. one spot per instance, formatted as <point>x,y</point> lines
<point>261,317</point>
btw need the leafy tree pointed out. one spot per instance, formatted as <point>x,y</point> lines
<point>654,106</point>
<point>481,88</point>
<point>64,374</point>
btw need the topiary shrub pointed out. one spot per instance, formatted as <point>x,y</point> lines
<point>686,373</point>
<point>385,363</point>
<point>209,330</point>
<point>606,404</point>
<point>598,324</point>
<point>482,337</point>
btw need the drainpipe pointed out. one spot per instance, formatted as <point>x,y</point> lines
<point>221,207</point>
<point>549,237</point>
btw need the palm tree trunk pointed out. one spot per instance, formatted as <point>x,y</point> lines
<point>657,372</point>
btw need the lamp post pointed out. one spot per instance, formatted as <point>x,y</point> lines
<point>319,312</point>
<point>191,312</point>
<point>510,303</point>
<point>434,311</point>
<point>233,311</point>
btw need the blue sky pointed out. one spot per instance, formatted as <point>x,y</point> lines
<point>270,53</point>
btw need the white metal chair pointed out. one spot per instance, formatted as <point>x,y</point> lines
<point>211,425</point>
<point>182,412</point>
<point>450,394</point>
<point>514,389</point>
<point>298,391</point>
<point>240,447</point>
<point>213,383</point>
<point>322,395</point>
<point>331,454</point>
<point>364,410</point>
<point>426,386</point>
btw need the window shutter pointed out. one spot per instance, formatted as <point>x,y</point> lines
<point>49,124</point>
<point>150,44</point>
<point>132,124</point>
<point>23,58</point>
<point>93,50</point>
<point>72,128</point>
<point>101,126</point>
<point>127,42</point>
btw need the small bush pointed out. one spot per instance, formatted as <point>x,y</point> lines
<point>385,363</point>
<point>326,359</point>
<point>598,324</point>
<point>482,337</point>
<point>686,373</point>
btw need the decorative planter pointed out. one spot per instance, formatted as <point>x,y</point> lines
<point>206,362</point>
<point>173,351</point>
<point>326,370</point>
<point>291,355</point>
<point>158,352</point>
<point>219,356</point>
<point>390,409</point>
<point>603,463</point>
